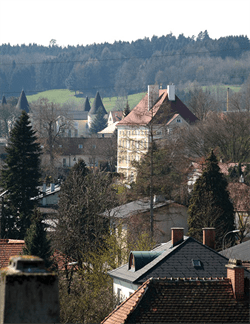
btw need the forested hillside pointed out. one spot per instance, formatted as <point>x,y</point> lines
<point>123,68</point>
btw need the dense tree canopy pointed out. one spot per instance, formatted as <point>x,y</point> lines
<point>85,195</point>
<point>210,205</point>
<point>20,177</point>
<point>122,68</point>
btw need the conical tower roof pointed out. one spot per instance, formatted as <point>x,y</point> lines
<point>96,105</point>
<point>4,101</point>
<point>86,105</point>
<point>23,102</point>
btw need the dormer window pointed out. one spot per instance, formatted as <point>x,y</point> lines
<point>139,259</point>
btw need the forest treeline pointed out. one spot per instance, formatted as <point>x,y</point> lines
<point>124,68</point>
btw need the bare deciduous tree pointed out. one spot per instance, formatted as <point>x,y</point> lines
<point>50,122</point>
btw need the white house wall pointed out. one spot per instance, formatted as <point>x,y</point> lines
<point>126,289</point>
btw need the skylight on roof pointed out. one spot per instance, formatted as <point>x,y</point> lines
<point>196,263</point>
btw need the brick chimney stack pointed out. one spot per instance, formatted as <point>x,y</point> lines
<point>177,235</point>
<point>209,237</point>
<point>235,272</point>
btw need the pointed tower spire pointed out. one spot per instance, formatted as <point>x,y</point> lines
<point>23,103</point>
<point>96,105</point>
<point>4,101</point>
<point>86,105</point>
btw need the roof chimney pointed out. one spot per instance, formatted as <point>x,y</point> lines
<point>171,92</point>
<point>177,235</point>
<point>153,95</point>
<point>235,272</point>
<point>209,237</point>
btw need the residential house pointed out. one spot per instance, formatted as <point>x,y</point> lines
<point>188,300</point>
<point>154,118</point>
<point>182,257</point>
<point>92,150</point>
<point>136,215</point>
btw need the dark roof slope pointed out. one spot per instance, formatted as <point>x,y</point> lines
<point>177,262</point>
<point>181,301</point>
<point>97,103</point>
<point>4,101</point>
<point>240,252</point>
<point>23,102</point>
<point>86,105</point>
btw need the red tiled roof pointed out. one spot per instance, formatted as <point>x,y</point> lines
<point>164,109</point>
<point>224,167</point>
<point>181,301</point>
<point>8,248</point>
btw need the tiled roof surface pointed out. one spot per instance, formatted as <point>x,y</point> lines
<point>224,167</point>
<point>240,252</point>
<point>177,262</point>
<point>90,146</point>
<point>162,111</point>
<point>182,301</point>
<point>9,248</point>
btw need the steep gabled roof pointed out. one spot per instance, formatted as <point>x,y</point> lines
<point>161,112</point>
<point>181,301</point>
<point>23,102</point>
<point>97,103</point>
<point>177,262</point>
<point>86,105</point>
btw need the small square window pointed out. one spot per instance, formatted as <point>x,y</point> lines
<point>196,263</point>
<point>80,146</point>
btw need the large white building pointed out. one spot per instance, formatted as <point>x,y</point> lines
<point>154,117</point>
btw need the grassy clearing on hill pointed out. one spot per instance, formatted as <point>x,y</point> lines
<point>66,96</point>
<point>62,96</point>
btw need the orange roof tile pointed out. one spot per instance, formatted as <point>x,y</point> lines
<point>181,301</point>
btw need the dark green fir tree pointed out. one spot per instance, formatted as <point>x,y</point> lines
<point>126,110</point>
<point>36,240</point>
<point>210,205</point>
<point>20,178</point>
<point>99,122</point>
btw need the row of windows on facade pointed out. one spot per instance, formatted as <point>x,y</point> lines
<point>130,144</point>
<point>129,158</point>
<point>133,132</point>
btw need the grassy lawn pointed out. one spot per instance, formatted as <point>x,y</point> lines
<point>113,103</point>
<point>64,95</point>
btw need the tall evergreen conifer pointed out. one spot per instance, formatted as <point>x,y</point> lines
<point>99,122</point>
<point>20,177</point>
<point>36,240</point>
<point>210,205</point>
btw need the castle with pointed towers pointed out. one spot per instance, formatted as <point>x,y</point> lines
<point>81,119</point>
